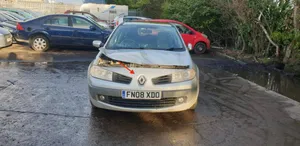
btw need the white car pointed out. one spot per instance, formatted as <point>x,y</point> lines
<point>5,38</point>
<point>143,67</point>
<point>120,19</point>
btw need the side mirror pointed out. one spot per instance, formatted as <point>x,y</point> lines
<point>190,46</point>
<point>97,44</point>
<point>191,32</point>
<point>92,28</point>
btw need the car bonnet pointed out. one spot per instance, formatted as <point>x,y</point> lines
<point>150,57</point>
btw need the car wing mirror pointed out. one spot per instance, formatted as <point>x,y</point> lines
<point>92,28</point>
<point>97,44</point>
<point>191,32</point>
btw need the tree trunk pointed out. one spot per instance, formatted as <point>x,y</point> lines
<point>270,40</point>
<point>288,53</point>
<point>268,36</point>
<point>289,49</point>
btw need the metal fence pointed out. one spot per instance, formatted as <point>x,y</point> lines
<point>45,8</point>
<point>133,12</point>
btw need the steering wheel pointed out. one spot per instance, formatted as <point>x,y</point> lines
<point>129,43</point>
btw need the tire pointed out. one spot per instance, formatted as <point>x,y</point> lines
<point>39,43</point>
<point>194,106</point>
<point>200,48</point>
<point>15,41</point>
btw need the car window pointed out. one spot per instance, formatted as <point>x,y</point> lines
<point>96,23</point>
<point>2,18</point>
<point>146,36</point>
<point>81,23</point>
<point>130,19</point>
<point>17,16</point>
<point>57,21</point>
<point>88,15</point>
<point>182,29</point>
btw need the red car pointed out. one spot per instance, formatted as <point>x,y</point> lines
<point>199,41</point>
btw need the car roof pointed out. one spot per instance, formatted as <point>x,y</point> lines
<point>65,15</point>
<point>70,11</point>
<point>146,23</point>
<point>164,20</point>
<point>135,17</point>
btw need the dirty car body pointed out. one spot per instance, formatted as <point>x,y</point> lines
<point>5,38</point>
<point>62,30</point>
<point>144,67</point>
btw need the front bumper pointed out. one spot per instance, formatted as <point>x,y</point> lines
<point>188,90</point>
<point>6,40</point>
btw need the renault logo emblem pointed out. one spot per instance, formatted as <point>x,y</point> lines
<point>142,80</point>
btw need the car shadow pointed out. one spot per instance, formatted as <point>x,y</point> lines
<point>111,127</point>
<point>72,49</point>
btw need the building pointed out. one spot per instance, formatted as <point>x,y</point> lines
<point>51,1</point>
<point>95,1</point>
<point>39,1</point>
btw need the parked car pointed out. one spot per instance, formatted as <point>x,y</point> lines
<point>124,18</point>
<point>10,26</point>
<point>3,18</point>
<point>131,72</point>
<point>24,14</point>
<point>89,15</point>
<point>197,41</point>
<point>17,16</point>
<point>8,16</point>
<point>62,30</point>
<point>5,38</point>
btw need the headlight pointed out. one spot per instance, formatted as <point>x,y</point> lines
<point>184,75</point>
<point>204,35</point>
<point>101,73</point>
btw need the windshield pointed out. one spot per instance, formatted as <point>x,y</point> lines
<point>146,36</point>
<point>96,23</point>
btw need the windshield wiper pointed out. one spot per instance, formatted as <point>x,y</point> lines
<point>173,49</point>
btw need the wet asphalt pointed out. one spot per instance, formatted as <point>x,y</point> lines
<point>46,103</point>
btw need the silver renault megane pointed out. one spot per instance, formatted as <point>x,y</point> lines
<point>143,67</point>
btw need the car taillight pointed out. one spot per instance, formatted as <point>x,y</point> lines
<point>19,27</point>
<point>117,23</point>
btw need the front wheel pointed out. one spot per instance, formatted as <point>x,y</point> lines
<point>39,43</point>
<point>200,48</point>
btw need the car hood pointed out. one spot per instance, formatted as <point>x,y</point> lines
<point>3,31</point>
<point>150,57</point>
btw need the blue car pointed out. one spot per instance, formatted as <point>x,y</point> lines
<point>61,30</point>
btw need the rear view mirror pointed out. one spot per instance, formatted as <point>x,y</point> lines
<point>97,44</point>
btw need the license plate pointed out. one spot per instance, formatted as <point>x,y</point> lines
<point>141,95</point>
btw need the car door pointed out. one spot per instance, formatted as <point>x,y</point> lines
<point>186,34</point>
<point>59,30</point>
<point>85,31</point>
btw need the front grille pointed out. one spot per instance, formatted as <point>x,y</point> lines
<point>121,78</point>
<point>135,103</point>
<point>162,80</point>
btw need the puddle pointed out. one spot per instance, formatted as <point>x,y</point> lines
<point>268,78</point>
<point>272,80</point>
